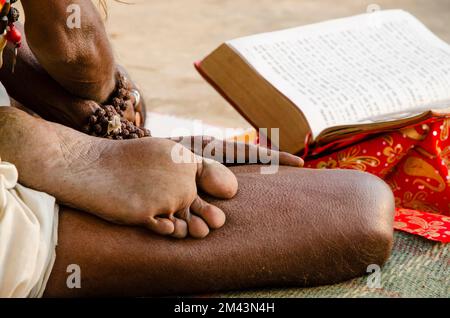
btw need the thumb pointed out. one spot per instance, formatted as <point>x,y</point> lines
<point>216,179</point>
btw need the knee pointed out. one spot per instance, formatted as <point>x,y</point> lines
<point>357,225</point>
<point>373,207</point>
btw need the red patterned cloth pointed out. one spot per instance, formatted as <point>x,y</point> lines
<point>415,162</point>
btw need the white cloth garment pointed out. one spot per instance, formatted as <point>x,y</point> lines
<point>28,236</point>
<point>4,98</point>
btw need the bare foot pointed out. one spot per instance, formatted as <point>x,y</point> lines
<point>127,182</point>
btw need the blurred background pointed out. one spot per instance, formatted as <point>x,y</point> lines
<point>158,41</point>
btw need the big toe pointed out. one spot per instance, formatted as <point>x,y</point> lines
<point>217,180</point>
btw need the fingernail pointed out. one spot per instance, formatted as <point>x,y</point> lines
<point>302,163</point>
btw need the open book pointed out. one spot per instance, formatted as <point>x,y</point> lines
<point>334,80</point>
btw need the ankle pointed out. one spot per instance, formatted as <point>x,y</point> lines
<point>79,150</point>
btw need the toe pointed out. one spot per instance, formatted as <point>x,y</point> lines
<point>197,227</point>
<point>161,226</point>
<point>181,228</point>
<point>217,180</point>
<point>212,215</point>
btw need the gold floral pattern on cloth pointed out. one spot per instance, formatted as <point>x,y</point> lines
<point>330,164</point>
<point>417,201</point>
<point>418,133</point>
<point>445,129</point>
<point>350,159</point>
<point>445,155</point>
<point>418,167</point>
<point>423,224</point>
<point>415,162</point>
<point>393,153</point>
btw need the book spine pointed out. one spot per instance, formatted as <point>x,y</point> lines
<point>198,67</point>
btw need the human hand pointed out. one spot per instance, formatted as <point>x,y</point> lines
<point>238,153</point>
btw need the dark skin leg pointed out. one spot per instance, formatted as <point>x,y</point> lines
<point>31,85</point>
<point>63,77</point>
<point>299,242</point>
<point>80,59</point>
<point>296,228</point>
<point>88,173</point>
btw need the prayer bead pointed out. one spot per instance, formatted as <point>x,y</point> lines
<point>116,102</point>
<point>98,129</point>
<point>93,120</point>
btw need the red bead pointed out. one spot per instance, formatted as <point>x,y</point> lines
<point>13,35</point>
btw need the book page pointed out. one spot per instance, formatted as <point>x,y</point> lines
<point>367,68</point>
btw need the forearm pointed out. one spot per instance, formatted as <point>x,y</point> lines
<point>33,87</point>
<point>80,59</point>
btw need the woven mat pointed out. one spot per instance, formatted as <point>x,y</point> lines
<point>417,268</point>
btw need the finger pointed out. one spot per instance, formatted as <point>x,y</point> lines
<point>181,228</point>
<point>249,153</point>
<point>161,226</point>
<point>216,179</point>
<point>212,215</point>
<point>197,227</point>
<point>284,158</point>
<point>287,159</point>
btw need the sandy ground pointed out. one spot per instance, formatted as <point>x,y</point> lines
<point>158,40</point>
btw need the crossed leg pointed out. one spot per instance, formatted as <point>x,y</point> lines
<point>296,228</point>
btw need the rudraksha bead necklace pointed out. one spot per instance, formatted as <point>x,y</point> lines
<point>108,121</point>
